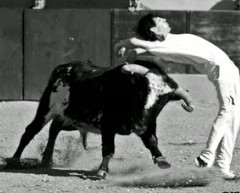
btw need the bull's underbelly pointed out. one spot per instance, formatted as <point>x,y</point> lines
<point>92,127</point>
<point>82,126</point>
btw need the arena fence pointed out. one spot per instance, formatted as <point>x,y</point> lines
<point>33,42</point>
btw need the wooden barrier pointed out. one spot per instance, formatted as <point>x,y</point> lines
<point>221,28</point>
<point>33,42</point>
<point>69,4</point>
<point>11,59</point>
<point>54,37</point>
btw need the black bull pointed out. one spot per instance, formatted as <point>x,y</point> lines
<point>119,100</point>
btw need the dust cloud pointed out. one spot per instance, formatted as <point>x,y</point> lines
<point>136,176</point>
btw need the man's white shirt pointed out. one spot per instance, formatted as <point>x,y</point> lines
<point>193,50</point>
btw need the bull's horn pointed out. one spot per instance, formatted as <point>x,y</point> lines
<point>134,68</point>
<point>188,106</point>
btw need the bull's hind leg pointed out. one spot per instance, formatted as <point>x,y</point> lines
<point>58,124</point>
<point>151,142</point>
<point>41,119</point>
<point>55,128</point>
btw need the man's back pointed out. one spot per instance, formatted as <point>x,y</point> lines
<point>196,51</point>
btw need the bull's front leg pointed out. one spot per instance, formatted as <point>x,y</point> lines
<point>108,149</point>
<point>150,140</point>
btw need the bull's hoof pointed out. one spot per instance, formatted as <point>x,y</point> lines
<point>161,162</point>
<point>26,163</point>
<point>102,174</point>
<point>12,162</point>
<point>46,164</point>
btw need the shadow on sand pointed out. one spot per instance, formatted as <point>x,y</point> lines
<point>33,166</point>
<point>131,178</point>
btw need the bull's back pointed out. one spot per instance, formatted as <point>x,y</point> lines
<point>85,95</point>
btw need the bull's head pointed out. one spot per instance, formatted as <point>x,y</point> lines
<point>179,93</point>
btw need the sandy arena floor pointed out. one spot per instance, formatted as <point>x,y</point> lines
<point>181,136</point>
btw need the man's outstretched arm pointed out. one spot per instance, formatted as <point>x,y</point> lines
<point>134,42</point>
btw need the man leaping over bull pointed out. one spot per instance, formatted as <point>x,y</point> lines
<point>154,37</point>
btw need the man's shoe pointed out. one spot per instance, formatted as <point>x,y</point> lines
<point>229,175</point>
<point>199,162</point>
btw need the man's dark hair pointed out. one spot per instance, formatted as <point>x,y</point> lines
<point>144,26</point>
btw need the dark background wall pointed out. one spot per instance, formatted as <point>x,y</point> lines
<point>33,42</point>
<point>123,4</point>
<point>55,37</point>
<point>221,28</point>
<point>11,54</point>
<point>101,4</point>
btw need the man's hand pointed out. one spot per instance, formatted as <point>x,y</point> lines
<point>122,52</point>
<point>128,54</point>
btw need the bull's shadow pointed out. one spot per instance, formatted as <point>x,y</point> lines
<point>33,166</point>
<point>170,179</point>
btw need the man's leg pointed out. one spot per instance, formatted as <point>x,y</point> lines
<point>225,151</point>
<point>221,125</point>
<point>226,147</point>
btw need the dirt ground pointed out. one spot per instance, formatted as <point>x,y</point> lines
<point>181,137</point>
